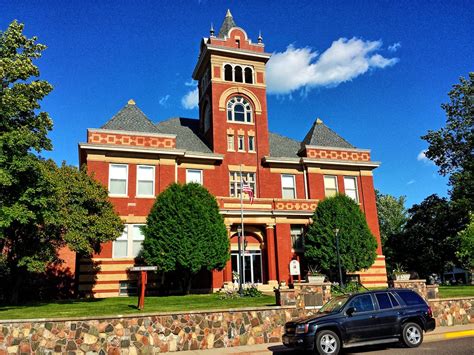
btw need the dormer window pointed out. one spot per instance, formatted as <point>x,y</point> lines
<point>239,110</point>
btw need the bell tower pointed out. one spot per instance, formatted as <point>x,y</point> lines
<point>232,94</point>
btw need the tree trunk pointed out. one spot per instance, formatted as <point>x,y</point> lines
<point>15,289</point>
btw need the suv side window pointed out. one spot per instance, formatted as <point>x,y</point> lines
<point>411,298</point>
<point>394,300</point>
<point>362,303</point>
<point>383,300</point>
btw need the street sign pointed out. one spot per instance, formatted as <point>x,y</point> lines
<point>143,268</point>
<point>294,268</point>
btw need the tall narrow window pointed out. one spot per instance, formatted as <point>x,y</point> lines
<point>145,180</point>
<point>230,143</point>
<point>120,249</point>
<point>288,186</point>
<point>241,144</point>
<point>239,110</point>
<point>207,117</point>
<point>251,144</point>
<point>228,72</point>
<point>234,181</point>
<point>248,75</point>
<point>238,74</point>
<point>137,239</point>
<point>330,186</point>
<point>350,187</point>
<point>297,238</point>
<point>194,175</point>
<point>118,178</point>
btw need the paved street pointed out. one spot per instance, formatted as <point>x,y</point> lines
<point>444,340</point>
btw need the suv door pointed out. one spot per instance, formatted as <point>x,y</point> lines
<point>362,325</point>
<point>388,316</point>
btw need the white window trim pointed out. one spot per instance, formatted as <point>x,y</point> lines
<point>243,143</point>
<point>253,138</point>
<point>153,189</point>
<point>195,170</point>
<point>130,240</point>
<point>324,181</point>
<point>294,185</point>
<point>251,111</point>
<point>356,186</point>
<point>126,181</point>
<point>233,143</point>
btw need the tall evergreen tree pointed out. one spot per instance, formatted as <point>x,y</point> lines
<point>357,244</point>
<point>185,233</point>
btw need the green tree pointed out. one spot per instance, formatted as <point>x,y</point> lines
<point>185,233</point>
<point>451,148</point>
<point>357,245</point>
<point>430,238</point>
<point>465,252</point>
<point>42,207</point>
<point>392,216</point>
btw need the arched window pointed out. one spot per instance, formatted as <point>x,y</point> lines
<point>239,110</point>
<point>248,75</point>
<point>228,72</point>
<point>238,74</point>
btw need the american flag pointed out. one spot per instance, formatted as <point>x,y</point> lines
<point>248,190</point>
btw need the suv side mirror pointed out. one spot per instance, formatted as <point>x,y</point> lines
<point>350,311</point>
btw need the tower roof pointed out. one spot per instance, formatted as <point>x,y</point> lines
<point>226,25</point>
<point>321,135</point>
<point>130,118</point>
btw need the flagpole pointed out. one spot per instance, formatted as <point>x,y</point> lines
<point>242,222</point>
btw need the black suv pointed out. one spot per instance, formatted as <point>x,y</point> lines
<point>368,318</point>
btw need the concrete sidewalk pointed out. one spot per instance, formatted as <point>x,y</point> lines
<point>440,333</point>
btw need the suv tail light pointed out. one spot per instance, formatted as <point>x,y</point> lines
<point>430,312</point>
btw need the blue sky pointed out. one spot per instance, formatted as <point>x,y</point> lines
<point>374,71</point>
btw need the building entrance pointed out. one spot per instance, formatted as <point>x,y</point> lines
<point>252,266</point>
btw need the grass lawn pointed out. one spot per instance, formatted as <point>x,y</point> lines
<point>127,305</point>
<point>456,291</point>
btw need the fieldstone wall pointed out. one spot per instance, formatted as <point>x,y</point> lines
<point>456,311</point>
<point>427,291</point>
<point>166,332</point>
<point>304,294</point>
<point>146,334</point>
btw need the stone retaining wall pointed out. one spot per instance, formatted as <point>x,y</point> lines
<point>156,333</point>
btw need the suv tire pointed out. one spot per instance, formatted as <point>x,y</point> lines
<point>327,343</point>
<point>412,335</point>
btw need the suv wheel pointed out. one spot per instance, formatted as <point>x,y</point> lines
<point>327,343</point>
<point>412,335</point>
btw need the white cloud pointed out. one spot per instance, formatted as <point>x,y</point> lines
<point>422,156</point>
<point>164,100</point>
<point>394,47</point>
<point>191,82</point>
<point>191,99</point>
<point>303,68</point>
<point>411,182</point>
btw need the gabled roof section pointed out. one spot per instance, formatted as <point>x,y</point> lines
<point>130,118</point>
<point>321,135</point>
<point>226,25</point>
<point>187,133</point>
<point>283,147</point>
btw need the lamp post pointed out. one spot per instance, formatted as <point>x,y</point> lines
<point>336,231</point>
<point>239,261</point>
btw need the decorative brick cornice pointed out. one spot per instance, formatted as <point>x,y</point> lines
<point>151,140</point>
<point>338,154</point>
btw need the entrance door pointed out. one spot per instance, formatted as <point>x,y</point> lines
<point>252,261</point>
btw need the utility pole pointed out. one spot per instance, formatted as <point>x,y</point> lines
<point>336,231</point>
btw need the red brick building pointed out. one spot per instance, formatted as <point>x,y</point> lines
<point>137,159</point>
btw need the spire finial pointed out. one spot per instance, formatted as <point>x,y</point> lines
<point>228,14</point>
<point>260,38</point>
<point>131,102</point>
<point>211,31</point>
<point>319,121</point>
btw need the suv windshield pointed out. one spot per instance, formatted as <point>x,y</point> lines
<point>334,305</point>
